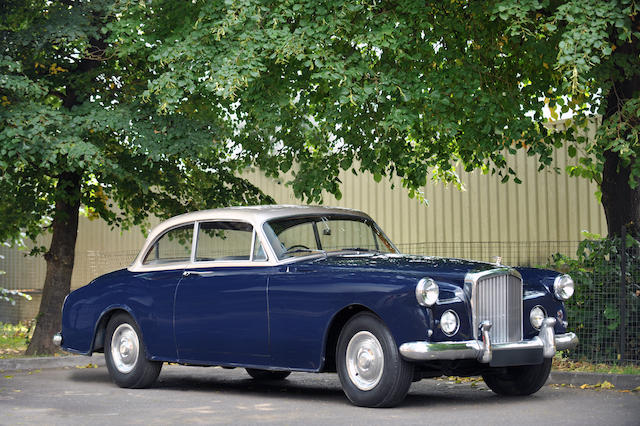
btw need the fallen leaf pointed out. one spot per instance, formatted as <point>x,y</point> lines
<point>8,377</point>
<point>606,385</point>
<point>90,365</point>
<point>585,386</point>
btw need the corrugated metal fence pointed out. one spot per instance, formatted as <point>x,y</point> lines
<point>522,223</point>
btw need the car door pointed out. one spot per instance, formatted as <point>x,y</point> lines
<point>221,313</point>
<point>151,294</point>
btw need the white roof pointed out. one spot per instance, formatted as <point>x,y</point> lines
<point>255,215</point>
<point>261,213</point>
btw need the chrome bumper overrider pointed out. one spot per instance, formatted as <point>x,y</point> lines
<point>483,349</point>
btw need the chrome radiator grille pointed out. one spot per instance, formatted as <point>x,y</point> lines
<point>497,297</point>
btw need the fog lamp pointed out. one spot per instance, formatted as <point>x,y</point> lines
<point>536,316</point>
<point>449,323</point>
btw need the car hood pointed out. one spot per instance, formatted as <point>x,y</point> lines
<point>446,270</point>
<point>439,268</point>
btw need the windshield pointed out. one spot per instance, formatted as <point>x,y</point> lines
<point>301,236</point>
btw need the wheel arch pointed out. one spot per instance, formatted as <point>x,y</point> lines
<point>333,333</point>
<point>97,345</point>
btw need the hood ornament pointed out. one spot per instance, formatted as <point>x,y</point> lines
<point>498,260</point>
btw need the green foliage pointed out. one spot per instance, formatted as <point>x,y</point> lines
<point>14,338</point>
<point>594,310</point>
<point>400,88</point>
<point>70,105</point>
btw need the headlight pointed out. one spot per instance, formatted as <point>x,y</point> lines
<point>536,316</point>
<point>427,292</point>
<point>563,287</point>
<point>449,323</point>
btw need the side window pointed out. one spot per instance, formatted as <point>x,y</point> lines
<point>174,246</point>
<point>224,241</point>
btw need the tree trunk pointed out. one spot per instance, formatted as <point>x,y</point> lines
<point>621,202</point>
<point>59,258</point>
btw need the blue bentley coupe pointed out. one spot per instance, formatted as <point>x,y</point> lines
<point>276,289</point>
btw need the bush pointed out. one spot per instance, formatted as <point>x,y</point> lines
<point>594,312</point>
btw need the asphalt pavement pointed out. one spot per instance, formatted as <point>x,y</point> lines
<point>84,394</point>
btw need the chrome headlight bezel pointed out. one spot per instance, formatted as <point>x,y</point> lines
<point>537,316</point>
<point>563,287</point>
<point>427,292</point>
<point>452,318</point>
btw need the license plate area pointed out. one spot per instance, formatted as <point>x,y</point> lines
<point>513,357</point>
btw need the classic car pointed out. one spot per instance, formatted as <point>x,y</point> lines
<point>276,289</point>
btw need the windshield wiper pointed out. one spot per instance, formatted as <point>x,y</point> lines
<point>359,249</point>
<point>302,250</point>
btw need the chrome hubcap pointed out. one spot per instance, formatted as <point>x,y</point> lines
<point>125,348</point>
<point>365,360</point>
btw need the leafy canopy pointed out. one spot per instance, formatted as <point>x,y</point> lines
<point>409,87</point>
<point>70,105</point>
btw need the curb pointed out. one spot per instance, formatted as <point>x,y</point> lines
<point>39,363</point>
<point>619,381</point>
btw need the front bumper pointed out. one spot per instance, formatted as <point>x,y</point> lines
<point>524,352</point>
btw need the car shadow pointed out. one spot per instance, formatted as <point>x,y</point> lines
<point>299,386</point>
<point>86,375</point>
<point>303,386</point>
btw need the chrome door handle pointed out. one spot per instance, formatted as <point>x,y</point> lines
<point>188,273</point>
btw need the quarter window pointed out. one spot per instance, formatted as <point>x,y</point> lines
<point>174,246</point>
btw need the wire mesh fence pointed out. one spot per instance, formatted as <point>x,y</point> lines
<point>605,315</point>
<point>528,253</point>
<point>605,310</point>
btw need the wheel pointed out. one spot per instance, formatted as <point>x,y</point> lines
<point>125,354</point>
<point>518,381</point>
<point>371,370</point>
<point>267,374</point>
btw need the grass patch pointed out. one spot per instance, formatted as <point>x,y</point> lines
<point>14,338</point>
<point>563,364</point>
